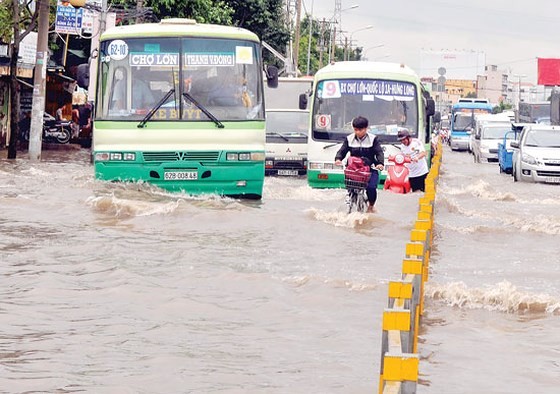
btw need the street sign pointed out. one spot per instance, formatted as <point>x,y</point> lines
<point>70,20</point>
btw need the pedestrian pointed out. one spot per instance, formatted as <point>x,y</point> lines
<point>75,124</point>
<point>59,114</point>
<point>418,167</point>
<point>366,146</point>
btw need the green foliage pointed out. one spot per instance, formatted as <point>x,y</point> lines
<point>6,18</point>
<point>503,106</point>
<point>262,17</point>
<point>203,11</point>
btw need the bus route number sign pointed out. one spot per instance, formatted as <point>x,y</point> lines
<point>117,49</point>
<point>323,121</point>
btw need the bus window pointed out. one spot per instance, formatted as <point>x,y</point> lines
<point>388,105</point>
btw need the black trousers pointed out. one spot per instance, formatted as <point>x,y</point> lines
<point>418,182</point>
<point>371,189</point>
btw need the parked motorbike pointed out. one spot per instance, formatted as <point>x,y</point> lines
<point>53,130</point>
<point>397,174</point>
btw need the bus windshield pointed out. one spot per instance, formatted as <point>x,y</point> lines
<point>222,75</point>
<point>464,118</point>
<point>286,126</point>
<point>387,105</point>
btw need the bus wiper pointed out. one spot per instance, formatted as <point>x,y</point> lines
<point>331,145</point>
<point>206,112</point>
<point>280,135</point>
<point>155,108</point>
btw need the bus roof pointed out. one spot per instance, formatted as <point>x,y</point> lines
<point>352,69</point>
<point>178,27</point>
<point>472,105</point>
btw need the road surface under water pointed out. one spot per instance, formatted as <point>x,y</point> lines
<point>124,288</point>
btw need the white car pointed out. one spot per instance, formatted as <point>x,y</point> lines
<point>486,140</point>
<point>536,155</point>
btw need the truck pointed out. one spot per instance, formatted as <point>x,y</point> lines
<point>287,127</point>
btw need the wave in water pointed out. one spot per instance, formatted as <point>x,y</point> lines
<point>123,208</point>
<point>284,189</point>
<point>484,190</point>
<point>480,189</point>
<point>544,224</point>
<point>343,219</point>
<point>308,280</point>
<point>503,297</point>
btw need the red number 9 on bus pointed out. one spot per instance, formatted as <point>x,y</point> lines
<point>331,90</point>
<point>323,121</point>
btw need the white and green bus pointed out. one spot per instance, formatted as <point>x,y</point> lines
<point>389,95</point>
<point>180,105</point>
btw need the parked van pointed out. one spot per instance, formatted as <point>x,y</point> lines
<point>286,142</point>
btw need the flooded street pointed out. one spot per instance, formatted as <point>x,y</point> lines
<point>124,288</point>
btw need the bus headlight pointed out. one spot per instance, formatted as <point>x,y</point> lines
<point>257,156</point>
<point>115,156</point>
<point>102,156</point>
<point>245,156</point>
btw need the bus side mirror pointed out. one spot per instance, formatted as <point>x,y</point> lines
<point>303,101</point>
<point>430,107</point>
<point>272,76</point>
<point>437,117</point>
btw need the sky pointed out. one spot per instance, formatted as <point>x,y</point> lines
<point>512,34</point>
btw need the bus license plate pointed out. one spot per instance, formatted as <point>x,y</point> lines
<point>287,172</point>
<point>180,175</point>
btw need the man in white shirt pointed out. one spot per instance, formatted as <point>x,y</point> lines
<point>418,168</point>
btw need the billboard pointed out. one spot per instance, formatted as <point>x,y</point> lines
<point>548,71</point>
<point>465,65</point>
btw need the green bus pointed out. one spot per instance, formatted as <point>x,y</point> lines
<point>180,105</point>
<point>390,95</point>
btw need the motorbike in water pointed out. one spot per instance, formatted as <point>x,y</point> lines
<point>356,178</point>
<point>397,174</point>
<point>53,130</point>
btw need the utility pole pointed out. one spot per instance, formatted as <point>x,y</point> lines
<point>296,43</point>
<point>321,42</point>
<point>332,58</point>
<point>139,8</point>
<point>39,82</point>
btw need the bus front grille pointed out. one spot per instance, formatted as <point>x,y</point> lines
<point>180,156</point>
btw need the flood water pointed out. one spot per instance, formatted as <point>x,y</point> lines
<point>114,288</point>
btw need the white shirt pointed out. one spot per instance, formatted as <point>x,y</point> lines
<point>413,149</point>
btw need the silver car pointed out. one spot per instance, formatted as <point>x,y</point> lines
<point>536,155</point>
<point>486,140</point>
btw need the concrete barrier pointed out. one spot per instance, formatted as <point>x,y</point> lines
<point>402,317</point>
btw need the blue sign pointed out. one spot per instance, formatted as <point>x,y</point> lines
<point>68,20</point>
<point>377,88</point>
